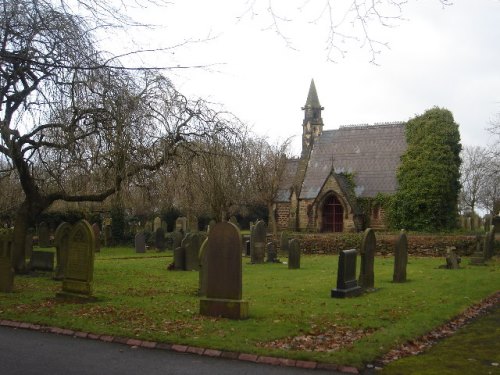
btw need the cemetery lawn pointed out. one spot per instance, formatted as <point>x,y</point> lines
<point>291,311</point>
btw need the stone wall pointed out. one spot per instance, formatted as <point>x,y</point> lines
<point>418,245</point>
<point>282,215</point>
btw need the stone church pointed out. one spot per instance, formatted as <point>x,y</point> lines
<point>320,191</point>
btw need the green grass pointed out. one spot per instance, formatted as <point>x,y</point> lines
<point>474,349</point>
<point>138,297</point>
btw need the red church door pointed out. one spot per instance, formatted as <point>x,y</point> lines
<point>333,215</point>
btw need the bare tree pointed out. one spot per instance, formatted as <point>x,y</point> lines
<point>473,175</point>
<point>266,164</point>
<point>341,21</point>
<point>75,127</point>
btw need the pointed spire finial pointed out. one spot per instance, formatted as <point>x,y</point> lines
<point>312,97</point>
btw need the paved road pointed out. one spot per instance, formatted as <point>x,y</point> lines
<point>27,352</point>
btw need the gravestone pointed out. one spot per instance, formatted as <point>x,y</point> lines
<point>284,238</point>
<point>293,254</point>
<point>42,260</point>
<point>247,248</point>
<point>79,272</point>
<point>97,237</point>
<point>224,279</point>
<point>211,224</point>
<point>179,258</point>
<point>258,242</point>
<point>156,223</point>
<point>452,259</point>
<point>176,239</point>
<point>347,285</point>
<point>368,245</point>
<point>148,227</point>
<point>489,243</point>
<point>193,224</point>
<point>181,224</point>
<point>43,235</point>
<point>400,258</point>
<point>61,238</point>
<point>160,242</point>
<point>477,258</point>
<point>191,245</point>
<point>272,254</point>
<point>108,235</point>
<point>140,243</point>
<point>234,221</point>
<point>203,275</point>
<point>6,270</point>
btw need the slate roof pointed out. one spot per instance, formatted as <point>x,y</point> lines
<point>287,179</point>
<point>371,152</point>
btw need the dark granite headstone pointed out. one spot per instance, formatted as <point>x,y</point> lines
<point>400,258</point>
<point>140,243</point>
<point>247,248</point>
<point>6,270</point>
<point>272,254</point>
<point>179,258</point>
<point>258,242</point>
<point>347,285</point>
<point>368,245</point>
<point>79,272</point>
<point>160,242</point>
<point>224,282</point>
<point>61,238</point>
<point>42,260</point>
<point>293,254</point>
<point>43,235</point>
<point>97,237</point>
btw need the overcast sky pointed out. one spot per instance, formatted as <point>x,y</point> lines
<point>438,56</point>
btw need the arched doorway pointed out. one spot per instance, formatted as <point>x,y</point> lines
<point>333,215</point>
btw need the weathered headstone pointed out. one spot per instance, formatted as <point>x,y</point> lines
<point>191,245</point>
<point>368,245</point>
<point>148,227</point>
<point>97,237</point>
<point>193,224</point>
<point>61,238</point>
<point>489,243</point>
<point>6,270</point>
<point>176,239</point>
<point>156,223</point>
<point>258,242</point>
<point>452,259</point>
<point>272,254</point>
<point>42,260</point>
<point>224,283</point>
<point>400,258</point>
<point>160,242</point>
<point>293,254</point>
<point>284,239</point>
<point>79,272</point>
<point>347,285</point>
<point>140,243</point>
<point>203,274</point>
<point>43,235</point>
<point>477,258</point>
<point>181,224</point>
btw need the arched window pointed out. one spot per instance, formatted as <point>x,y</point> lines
<point>333,215</point>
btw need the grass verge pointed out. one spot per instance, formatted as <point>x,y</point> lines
<point>138,297</point>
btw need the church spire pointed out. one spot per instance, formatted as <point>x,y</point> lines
<point>312,98</point>
<point>312,127</point>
